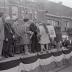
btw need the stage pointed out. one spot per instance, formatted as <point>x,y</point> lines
<point>38,62</point>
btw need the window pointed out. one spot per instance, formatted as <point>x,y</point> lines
<point>68,24</point>
<point>53,23</point>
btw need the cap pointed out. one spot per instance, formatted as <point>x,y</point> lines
<point>26,20</point>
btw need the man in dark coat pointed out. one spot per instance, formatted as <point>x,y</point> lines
<point>9,40</point>
<point>35,46</point>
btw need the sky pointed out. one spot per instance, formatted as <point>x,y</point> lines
<point>65,2</point>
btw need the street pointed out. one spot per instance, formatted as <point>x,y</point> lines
<point>67,69</point>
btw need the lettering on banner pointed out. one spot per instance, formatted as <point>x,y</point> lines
<point>51,31</point>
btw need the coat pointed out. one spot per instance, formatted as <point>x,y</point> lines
<point>24,34</point>
<point>22,30</point>
<point>1,35</point>
<point>8,32</point>
<point>44,36</point>
<point>1,29</point>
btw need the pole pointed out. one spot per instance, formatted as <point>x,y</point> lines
<point>19,9</point>
<point>4,6</point>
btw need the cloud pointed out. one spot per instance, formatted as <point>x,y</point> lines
<point>65,2</point>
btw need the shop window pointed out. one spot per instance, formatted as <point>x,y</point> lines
<point>66,26</point>
<point>53,23</point>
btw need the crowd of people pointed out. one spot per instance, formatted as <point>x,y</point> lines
<point>27,37</point>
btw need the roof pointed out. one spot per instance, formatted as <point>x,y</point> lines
<point>52,8</point>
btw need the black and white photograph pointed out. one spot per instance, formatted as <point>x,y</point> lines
<point>35,35</point>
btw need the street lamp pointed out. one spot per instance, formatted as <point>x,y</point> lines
<point>19,9</point>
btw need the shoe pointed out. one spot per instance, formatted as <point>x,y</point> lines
<point>27,53</point>
<point>6,56</point>
<point>11,55</point>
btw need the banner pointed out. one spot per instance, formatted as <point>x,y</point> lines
<point>35,63</point>
<point>51,31</point>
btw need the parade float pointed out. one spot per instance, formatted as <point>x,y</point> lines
<point>48,60</point>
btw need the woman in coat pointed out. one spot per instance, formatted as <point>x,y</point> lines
<point>44,39</point>
<point>25,34</point>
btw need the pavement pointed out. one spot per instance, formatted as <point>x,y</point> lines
<point>63,69</point>
<point>67,69</point>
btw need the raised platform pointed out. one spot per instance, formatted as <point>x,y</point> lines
<point>38,62</point>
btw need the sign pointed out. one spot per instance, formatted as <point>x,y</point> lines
<point>51,31</point>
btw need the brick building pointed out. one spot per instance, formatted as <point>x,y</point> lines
<point>48,12</point>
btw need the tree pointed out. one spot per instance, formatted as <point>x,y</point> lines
<point>42,0</point>
<point>13,2</point>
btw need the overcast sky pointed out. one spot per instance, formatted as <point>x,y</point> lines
<point>65,2</point>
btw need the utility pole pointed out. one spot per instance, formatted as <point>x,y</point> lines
<point>19,9</point>
<point>4,6</point>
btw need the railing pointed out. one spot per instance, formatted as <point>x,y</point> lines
<point>21,48</point>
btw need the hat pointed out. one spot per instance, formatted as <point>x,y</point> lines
<point>8,20</point>
<point>26,20</point>
<point>14,17</point>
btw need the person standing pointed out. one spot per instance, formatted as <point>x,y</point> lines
<point>25,35</point>
<point>1,33</point>
<point>35,46</point>
<point>17,46</point>
<point>44,39</point>
<point>9,39</point>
